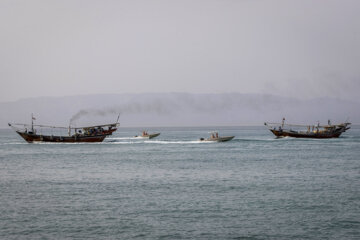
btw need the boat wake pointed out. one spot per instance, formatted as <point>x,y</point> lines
<point>121,141</point>
<point>174,142</point>
<point>120,138</point>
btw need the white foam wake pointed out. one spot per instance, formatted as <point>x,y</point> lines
<point>173,142</point>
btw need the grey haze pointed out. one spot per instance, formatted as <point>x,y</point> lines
<point>177,109</point>
<point>305,49</point>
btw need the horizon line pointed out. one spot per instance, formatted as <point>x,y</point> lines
<point>180,92</point>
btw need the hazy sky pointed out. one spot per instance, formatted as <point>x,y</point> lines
<point>303,48</point>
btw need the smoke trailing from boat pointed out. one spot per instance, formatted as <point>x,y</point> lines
<point>133,108</point>
<point>185,103</point>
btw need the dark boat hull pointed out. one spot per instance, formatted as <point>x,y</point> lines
<point>218,139</point>
<point>153,135</point>
<point>283,133</point>
<point>60,139</point>
<point>109,132</point>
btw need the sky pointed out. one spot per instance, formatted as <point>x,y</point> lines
<point>304,49</point>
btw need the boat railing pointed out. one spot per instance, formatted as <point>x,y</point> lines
<point>303,125</point>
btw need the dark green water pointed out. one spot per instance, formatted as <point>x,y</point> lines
<point>174,187</point>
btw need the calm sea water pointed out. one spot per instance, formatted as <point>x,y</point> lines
<point>174,187</point>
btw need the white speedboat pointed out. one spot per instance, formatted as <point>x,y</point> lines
<point>147,135</point>
<point>214,137</point>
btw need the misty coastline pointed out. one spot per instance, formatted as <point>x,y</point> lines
<point>178,109</point>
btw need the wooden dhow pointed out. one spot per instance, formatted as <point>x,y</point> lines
<point>308,131</point>
<point>44,133</point>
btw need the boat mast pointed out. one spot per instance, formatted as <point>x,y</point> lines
<point>32,122</point>
<point>117,120</point>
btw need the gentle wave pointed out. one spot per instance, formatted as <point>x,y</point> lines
<point>176,180</point>
<point>13,143</point>
<point>253,140</point>
<point>65,143</point>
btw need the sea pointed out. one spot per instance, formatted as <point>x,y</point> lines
<point>176,187</point>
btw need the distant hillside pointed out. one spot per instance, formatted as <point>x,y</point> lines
<point>177,109</point>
